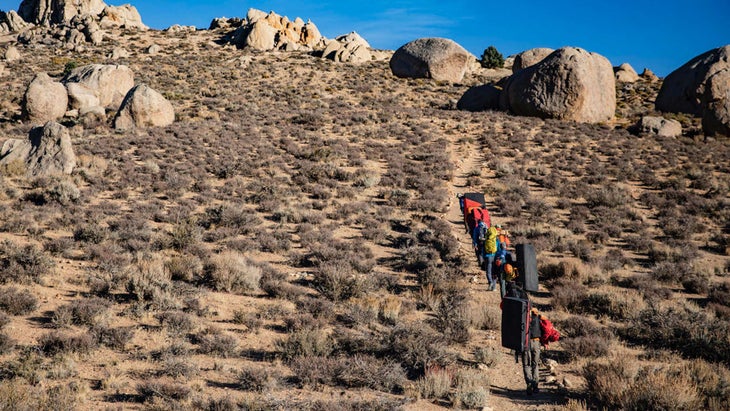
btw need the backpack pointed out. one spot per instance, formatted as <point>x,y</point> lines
<point>490,244</point>
<point>549,333</point>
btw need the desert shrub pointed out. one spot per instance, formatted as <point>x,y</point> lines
<point>314,371</point>
<point>361,311</point>
<point>230,271</point>
<point>257,378</point>
<point>337,281</point>
<point>88,311</point>
<point>23,264</point>
<point>712,381</point>
<point>590,346</point>
<point>57,342</point>
<point>369,372</point>
<point>488,356</point>
<point>697,282</point>
<point>694,334</point>
<point>17,302</point>
<point>581,326</point>
<point>562,271</point>
<point>435,383</point>
<point>176,322</point>
<point>275,283</point>
<point>90,233</point>
<point>568,295</point>
<point>148,283</point>
<point>306,342</point>
<point>650,289</point>
<point>613,385</point>
<point>472,389</point>
<point>17,394</point>
<point>610,196</point>
<point>185,235</point>
<point>184,267</point>
<point>581,249</point>
<point>416,346</point>
<point>58,246</point>
<point>179,367</point>
<point>389,310</point>
<point>212,341</point>
<point>671,272</point>
<point>720,293</point>
<point>112,337</point>
<point>452,315</point>
<point>491,58</point>
<point>149,390</point>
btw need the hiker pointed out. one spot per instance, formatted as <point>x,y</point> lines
<point>477,240</point>
<point>490,251</point>
<point>507,276</point>
<point>531,356</point>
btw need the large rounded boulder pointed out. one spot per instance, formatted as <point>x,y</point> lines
<point>529,58</point>
<point>683,89</point>
<point>47,151</point>
<point>105,85</point>
<point>47,12</point>
<point>436,58</point>
<point>144,107</point>
<point>45,100</point>
<point>569,84</point>
<point>716,104</point>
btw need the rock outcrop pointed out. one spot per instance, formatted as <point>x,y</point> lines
<point>264,32</point>
<point>649,75</point>
<point>683,89</point>
<point>480,98</point>
<point>716,104</point>
<point>529,58</point>
<point>12,22</point>
<point>144,107</point>
<point>569,84</point>
<point>348,48</point>
<point>436,58</point>
<point>659,126</point>
<point>626,74</point>
<point>47,151</point>
<point>50,12</point>
<point>44,100</point>
<point>125,16</point>
<point>98,84</point>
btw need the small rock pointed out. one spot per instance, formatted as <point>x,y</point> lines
<point>12,54</point>
<point>567,383</point>
<point>550,379</point>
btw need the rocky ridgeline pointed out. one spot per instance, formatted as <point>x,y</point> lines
<point>71,24</point>
<point>261,31</point>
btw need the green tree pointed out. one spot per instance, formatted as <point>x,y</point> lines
<point>491,58</point>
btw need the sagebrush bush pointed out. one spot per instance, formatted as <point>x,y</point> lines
<point>24,264</point>
<point>693,333</point>
<point>472,389</point>
<point>88,311</point>
<point>435,383</point>
<point>306,342</point>
<point>149,390</point>
<point>231,271</point>
<point>57,342</point>
<point>416,346</point>
<point>17,302</point>
<point>257,378</point>
<point>615,385</point>
<point>212,341</point>
<point>337,281</point>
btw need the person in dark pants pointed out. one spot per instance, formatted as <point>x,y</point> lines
<point>531,356</point>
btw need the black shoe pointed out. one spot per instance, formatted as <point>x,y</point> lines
<point>535,388</point>
<point>529,390</point>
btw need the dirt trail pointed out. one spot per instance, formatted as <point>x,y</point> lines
<point>507,384</point>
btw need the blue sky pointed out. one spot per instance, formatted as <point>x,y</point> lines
<point>660,35</point>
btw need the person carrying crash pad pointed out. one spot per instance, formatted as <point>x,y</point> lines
<point>490,251</point>
<point>477,240</point>
<point>531,355</point>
